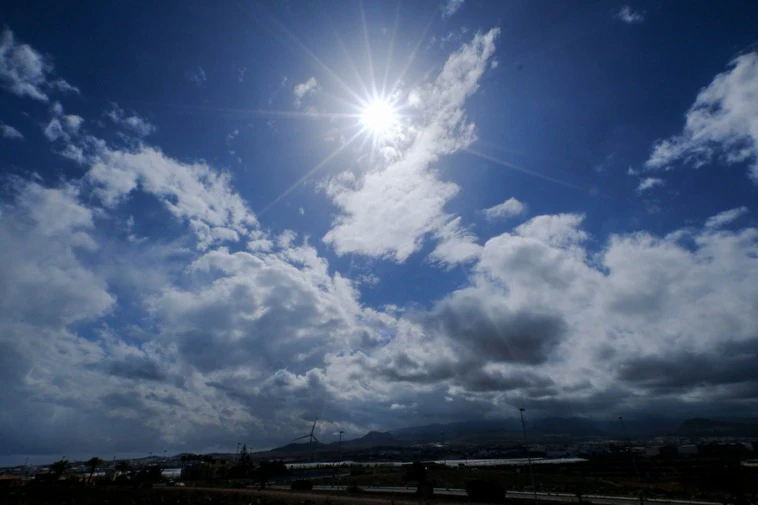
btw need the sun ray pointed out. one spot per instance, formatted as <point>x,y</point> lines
<point>391,48</point>
<point>369,58</point>
<point>293,38</point>
<point>528,171</point>
<point>414,52</point>
<point>346,54</point>
<point>250,112</point>
<point>310,172</point>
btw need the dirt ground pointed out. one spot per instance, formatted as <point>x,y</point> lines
<point>210,496</point>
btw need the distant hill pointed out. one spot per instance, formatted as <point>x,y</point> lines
<point>699,427</point>
<point>501,430</point>
<point>374,439</point>
<point>488,432</point>
<point>300,447</point>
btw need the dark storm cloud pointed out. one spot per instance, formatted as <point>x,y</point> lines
<point>727,364</point>
<point>498,335</point>
<point>478,380</point>
<point>138,369</point>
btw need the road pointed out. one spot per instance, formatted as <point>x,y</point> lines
<point>558,497</point>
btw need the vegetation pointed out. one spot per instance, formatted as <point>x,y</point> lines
<point>301,485</point>
<point>58,468</point>
<point>485,491</point>
<point>93,464</point>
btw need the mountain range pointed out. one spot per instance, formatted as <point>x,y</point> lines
<point>488,432</point>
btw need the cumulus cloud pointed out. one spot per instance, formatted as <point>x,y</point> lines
<point>303,89</point>
<point>649,183</point>
<point>721,125</point>
<point>256,339</point>
<point>26,72</point>
<point>456,245</point>
<point>387,211</point>
<point>9,132</point>
<point>190,191</point>
<point>509,208</point>
<point>630,16</point>
<point>725,218</point>
<point>451,7</point>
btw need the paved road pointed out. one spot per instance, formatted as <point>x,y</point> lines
<point>558,497</point>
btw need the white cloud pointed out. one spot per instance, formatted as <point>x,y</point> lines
<point>190,191</point>
<point>451,7</point>
<point>231,136</point>
<point>509,208</point>
<point>9,132</point>
<point>560,230</point>
<point>303,89</point>
<point>196,75</point>
<point>630,16</point>
<point>62,126</point>
<point>456,245</point>
<point>388,210</point>
<point>133,123</point>
<point>26,72</point>
<point>721,124</point>
<point>649,183</point>
<point>724,218</point>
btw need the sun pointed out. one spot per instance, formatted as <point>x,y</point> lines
<point>379,117</point>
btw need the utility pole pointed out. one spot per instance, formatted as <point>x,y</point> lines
<point>528,456</point>
<point>634,461</point>
<point>339,446</point>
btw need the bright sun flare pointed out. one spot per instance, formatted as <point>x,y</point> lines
<point>378,117</point>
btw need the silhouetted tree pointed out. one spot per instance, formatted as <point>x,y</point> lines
<point>59,468</point>
<point>93,464</point>
<point>123,467</point>
<point>268,470</point>
<point>417,471</point>
<point>244,466</point>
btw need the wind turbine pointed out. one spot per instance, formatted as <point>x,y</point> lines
<point>310,436</point>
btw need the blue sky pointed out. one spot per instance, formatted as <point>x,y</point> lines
<point>207,236</point>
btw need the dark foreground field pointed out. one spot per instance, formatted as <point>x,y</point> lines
<point>195,496</point>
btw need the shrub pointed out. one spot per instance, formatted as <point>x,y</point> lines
<point>301,485</point>
<point>485,491</point>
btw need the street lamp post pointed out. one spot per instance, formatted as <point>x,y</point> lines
<point>634,461</point>
<point>528,456</point>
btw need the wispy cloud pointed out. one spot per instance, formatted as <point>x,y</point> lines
<point>196,75</point>
<point>726,217</point>
<point>509,208</point>
<point>451,7</point>
<point>303,89</point>
<point>9,132</point>
<point>721,124</point>
<point>131,122</point>
<point>630,16</point>
<point>649,183</point>
<point>26,72</point>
